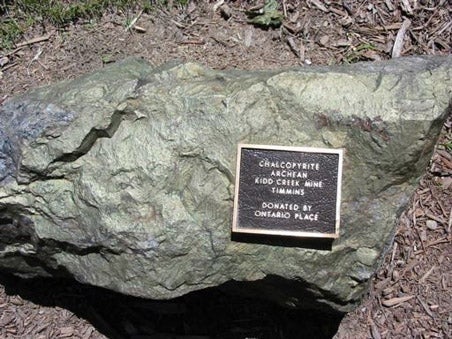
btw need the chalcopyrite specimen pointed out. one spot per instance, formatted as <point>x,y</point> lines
<point>124,178</point>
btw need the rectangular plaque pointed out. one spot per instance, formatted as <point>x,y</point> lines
<point>288,191</point>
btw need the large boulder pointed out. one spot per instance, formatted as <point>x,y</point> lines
<point>124,178</point>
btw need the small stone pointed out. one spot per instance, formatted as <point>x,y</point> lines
<point>432,225</point>
<point>324,40</point>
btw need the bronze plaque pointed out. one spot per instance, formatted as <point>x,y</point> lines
<point>288,191</point>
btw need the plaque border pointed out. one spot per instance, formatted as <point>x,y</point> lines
<point>242,230</point>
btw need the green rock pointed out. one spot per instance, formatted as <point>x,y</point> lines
<point>124,178</point>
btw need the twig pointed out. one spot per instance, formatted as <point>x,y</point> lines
<point>42,65</point>
<point>284,7</point>
<point>139,29</point>
<point>337,12</point>
<point>450,221</point>
<point>382,19</point>
<point>446,26</point>
<point>9,66</point>
<point>192,42</point>
<point>388,4</point>
<point>256,8</point>
<point>221,42</point>
<point>34,41</point>
<point>14,51</point>
<point>293,46</point>
<point>302,51</point>
<point>390,27</point>
<point>394,250</point>
<point>435,242</point>
<point>367,30</point>
<point>35,58</point>
<point>420,238</point>
<point>178,24</point>
<point>134,20</point>
<point>291,28</point>
<point>427,274</point>
<point>419,28</point>
<point>319,5</point>
<point>425,307</point>
<point>398,44</point>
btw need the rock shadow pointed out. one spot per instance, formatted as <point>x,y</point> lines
<point>211,313</point>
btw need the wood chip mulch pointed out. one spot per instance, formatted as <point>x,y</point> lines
<point>22,318</point>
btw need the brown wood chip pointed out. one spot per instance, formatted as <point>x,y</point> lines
<point>396,301</point>
<point>66,332</point>
<point>374,331</point>
<point>398,44</point>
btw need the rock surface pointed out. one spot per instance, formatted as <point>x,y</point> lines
<point>124,178</point>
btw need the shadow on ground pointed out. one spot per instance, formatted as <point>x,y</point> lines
<point>210,313</point>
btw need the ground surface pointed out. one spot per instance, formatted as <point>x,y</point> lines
<point>411,293</point>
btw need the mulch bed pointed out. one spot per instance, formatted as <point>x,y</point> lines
<point>409,296</point>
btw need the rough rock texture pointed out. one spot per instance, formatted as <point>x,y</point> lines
<point>124,178</point>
